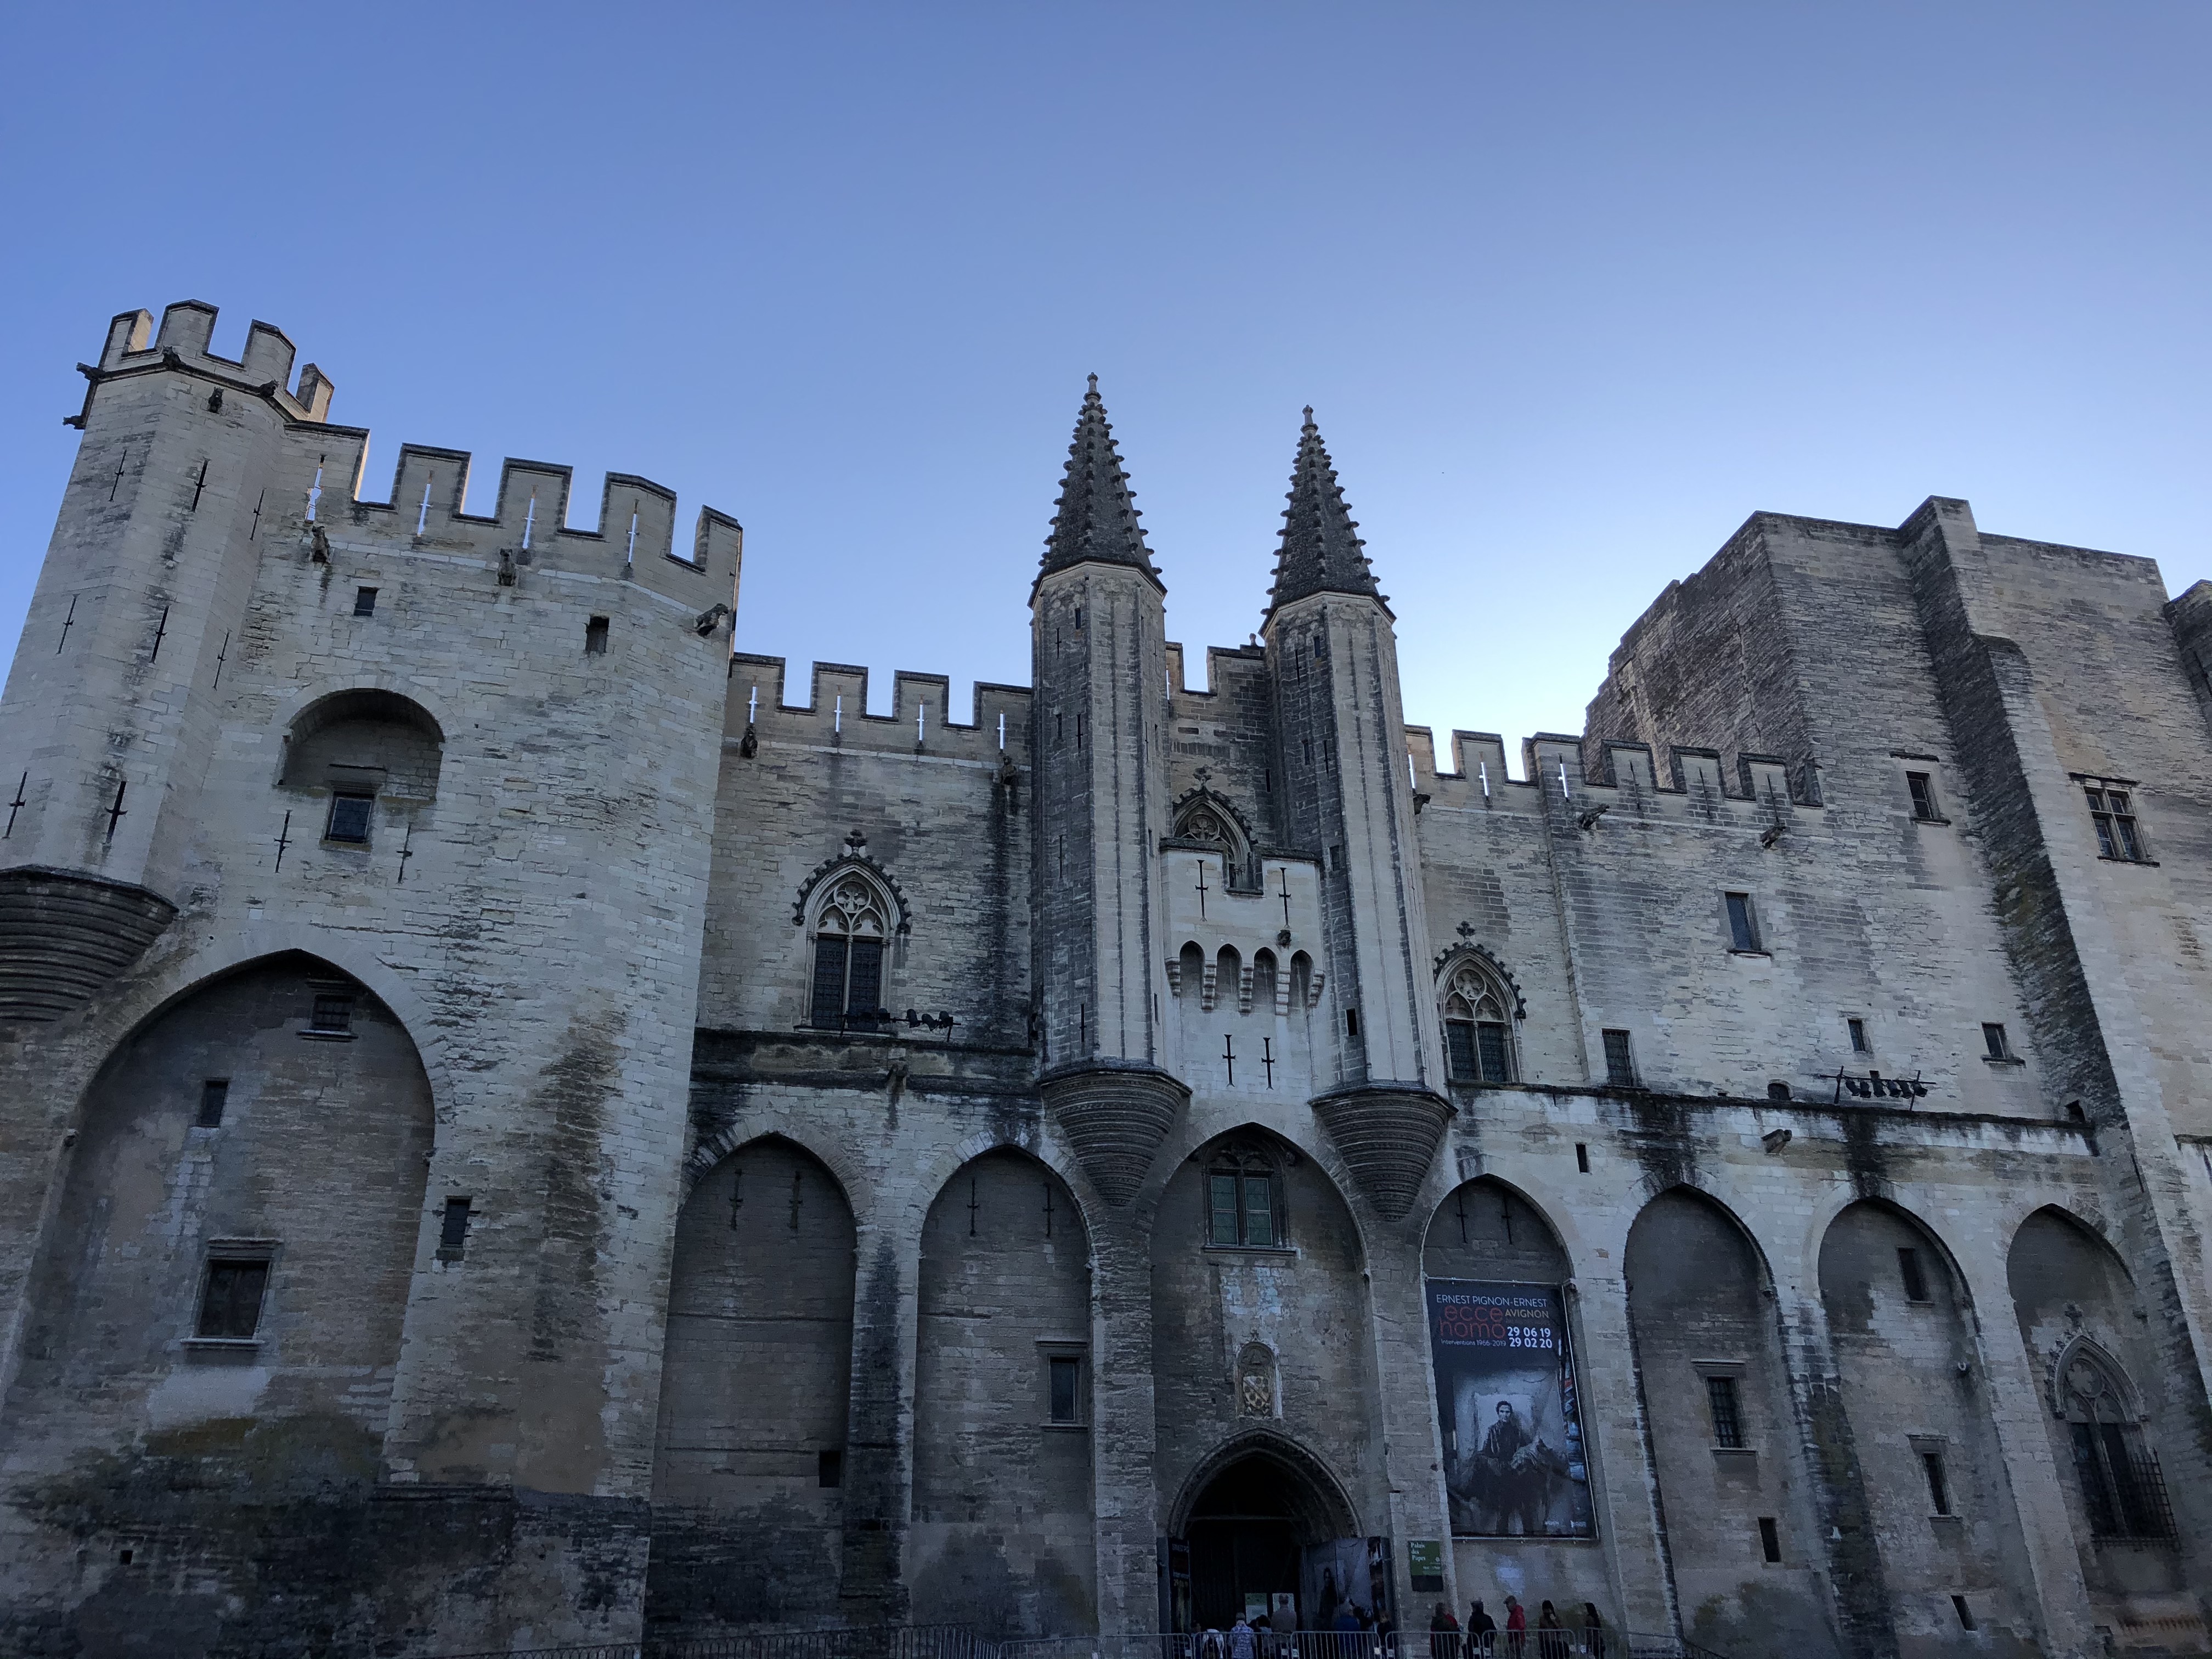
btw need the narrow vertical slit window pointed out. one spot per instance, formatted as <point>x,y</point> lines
<point>1770,1537</point>
<point>1910,1270</point>
<point>1995,1041</point>
<point>454,1230</point>
<point>1743,923</point>
<point>1582,1157</point>
<point>1065,1383</point>
<point>1939,1487</point>
<point>215,1095</point>
<point>1966,1614</point>
<point>1858,1033</point>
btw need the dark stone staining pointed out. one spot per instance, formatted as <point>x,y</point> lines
<point>574,1095</point>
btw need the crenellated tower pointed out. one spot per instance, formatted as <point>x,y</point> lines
<point>1340,727</point>
<point>1098,642</point>
<point>112,701</point>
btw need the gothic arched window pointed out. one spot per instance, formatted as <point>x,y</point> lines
<point>2121,1486</point>
<point>1244,1201</point>
<point>850,926</point>
<point>1478,1026</point>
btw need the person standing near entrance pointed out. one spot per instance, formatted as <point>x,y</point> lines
<point>1243,1642</point>
<point>1551,1634</point>
<point>1482,1632</point>
<point>1593,1631</point>
<point>1517,1628</point>
<point>1444,1634</point>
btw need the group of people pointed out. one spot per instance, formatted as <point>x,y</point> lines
<point>1484,1638</point>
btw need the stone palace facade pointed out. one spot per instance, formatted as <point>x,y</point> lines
<point>524,1127</point>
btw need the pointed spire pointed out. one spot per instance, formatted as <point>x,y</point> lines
<point>1094,519</point>
<point>1320,552</point>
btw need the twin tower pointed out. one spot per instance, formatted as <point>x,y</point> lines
<point>1331,815</point>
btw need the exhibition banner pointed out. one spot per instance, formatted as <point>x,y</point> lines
<point>1514,1462</point>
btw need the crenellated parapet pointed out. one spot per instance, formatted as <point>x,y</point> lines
<point>1686,782</point>
<point>836,717</point>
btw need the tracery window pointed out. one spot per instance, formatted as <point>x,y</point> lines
<point>849,931</point>
<point>1478,1028</point>
<point>2122,1487</point>
<point>1243,1199</point>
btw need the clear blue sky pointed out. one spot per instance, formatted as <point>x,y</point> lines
<point>1573,289</point>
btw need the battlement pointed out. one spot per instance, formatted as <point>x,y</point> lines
<point>837,716</point>
<point>1562,766</point>
<point>264,369</point>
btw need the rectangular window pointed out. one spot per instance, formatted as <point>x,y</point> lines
<point>1770,1537</point>
<point>1067,1381</point>
<point>829,1001</point>
<point>364,602</point>
<point>1619,1061</point>
<point>453,1232</point>
<point>1352,1024</point>
<point>1582,1157</point>
<point>1259,1211</point>
<point>1939,1489</point>
<point>1490,1043</point>
<point>1924,794</point>
<point>1743,926</point>
<point>2113,813</point>
<point>864,996</point>
<point>829,1466</point>
<point>1993,1038</point>
<point>214,1095</point>
<point>349,819</point>
<point>332,1015</point>
<point>230,1302</point>
<point>1221,1191</point>
<point>595,637</point>
<point>1916,1284</point>
<point>1858,1028</point>
<point>1908,1269</point>
<point>1728,1422</point>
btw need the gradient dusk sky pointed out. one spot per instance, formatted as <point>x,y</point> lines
<point>1573,289</point>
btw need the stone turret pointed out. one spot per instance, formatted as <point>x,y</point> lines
<point>1338,722</point>
<point>1099,646</point>
<point>109,708</point>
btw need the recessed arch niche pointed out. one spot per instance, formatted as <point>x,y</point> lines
<point>255,1152</point>
<point>749,1460</point>
<point>1724,1441</point>
<point>1003,1533</point>
<point>1935,1500</point>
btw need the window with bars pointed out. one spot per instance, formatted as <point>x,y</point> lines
<point>1728,1418</point>
<point>1619,1061</point>
<point>332,1014</point>
<point>2121,1485</point>
<point>1243,1206</point>
<point>849,932</point>
<point>1478,1033</point>
<point>2112,811</point>
<point>351,816</point>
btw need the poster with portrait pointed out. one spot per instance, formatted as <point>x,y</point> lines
<point>1514,1463</point>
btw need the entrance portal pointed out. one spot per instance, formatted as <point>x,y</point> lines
<point>1264,1539</point>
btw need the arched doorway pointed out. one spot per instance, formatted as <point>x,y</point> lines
<point>1264,1534</point>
